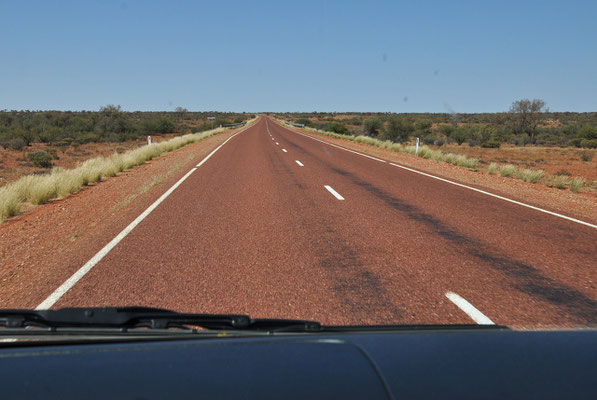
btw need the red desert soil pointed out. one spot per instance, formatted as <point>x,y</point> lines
<point>553,160</point>
<point>66,232</point>
<point>14,163</point>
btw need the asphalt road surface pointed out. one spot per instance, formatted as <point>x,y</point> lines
<point>278,224</point>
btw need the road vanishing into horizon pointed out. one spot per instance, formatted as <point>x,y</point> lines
<point>276,223</point>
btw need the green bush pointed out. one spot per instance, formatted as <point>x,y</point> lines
<point>586,156</point>
<point>304,121</point>
<point>588,132</point>
<point>40,159</point>
<point>428,139</point>
<point>440,142</point>
<point>491,144</point>
<point>337,127</point>
<point>576,142</point>
<point>17,143</point>
<point>522,140</point>
<point>398,130</point>
<point>460,135</point>
<point>589,143</point>
<point>372,126</point>
<point>53,153</point>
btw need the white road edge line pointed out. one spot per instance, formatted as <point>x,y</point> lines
<point>70,282</point>
<point>578,221</point>
<point>299,163</point>
<point>332,191</point>
<point>339,147</point>
<point>469,309</point>
<point>498,196</point>
<point>285,151</point>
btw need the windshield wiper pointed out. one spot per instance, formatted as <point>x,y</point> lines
<point>152,320</point>
<point>126,318</point>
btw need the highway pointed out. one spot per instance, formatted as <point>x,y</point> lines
<point>276,223</point>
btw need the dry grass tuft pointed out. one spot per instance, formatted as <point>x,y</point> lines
<point>529,175</point>
<point>507,170</point>
<point>576,184</point>
<point>559,181</point>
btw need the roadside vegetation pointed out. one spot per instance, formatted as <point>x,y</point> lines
<point>60,182</point>
<point>63,129</point>
<point>528,123</point>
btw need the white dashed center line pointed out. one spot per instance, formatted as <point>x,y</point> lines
<point>469,309</point>
<point>285,151</point>
<point>277,144</point>
<point>332,191</point>
<point>299,163</point>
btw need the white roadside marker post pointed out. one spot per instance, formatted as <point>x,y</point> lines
<point>417,148</point>
<point>148,139</point>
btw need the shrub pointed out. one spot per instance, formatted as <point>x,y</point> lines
<point>53,153</point>
<point>576,142</point>
<point>460,135</point>
<point>304,121</point>
<point>337,127</point>
<point>563,172</point>
<point>492,169</point>
<point>522,140</point>
<point>589,143</point>
<point>428,139</point>
<point>507,170</point>
<point>576,183</point>
<point>398,130</point>
<point>372,126</point>
<point>17,143</point>
<point>440,142</point>
<point>491,144</point>
<point>40,159</point>
<point>586,156</point>
<point>473,142</point>
<point>529,175</point>
<point>559,181</point>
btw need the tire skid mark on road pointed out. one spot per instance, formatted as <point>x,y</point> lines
<point>525,278</point>
<point>356,287</point>
<point>453,182</point>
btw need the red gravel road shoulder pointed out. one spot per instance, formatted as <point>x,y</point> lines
<point>41,248</point>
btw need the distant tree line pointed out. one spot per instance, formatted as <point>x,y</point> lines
<point>19,129</point>
<point>528,122</point>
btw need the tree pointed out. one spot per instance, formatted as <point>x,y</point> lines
<point>181,112</point>
<point>527,115</point>
<point>337,127</point>
<point>372,126</point>
<point>110,109</point>
<point>398,130</point>
<point>460,135</point>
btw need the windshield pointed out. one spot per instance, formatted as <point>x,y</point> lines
<point>351,163</point>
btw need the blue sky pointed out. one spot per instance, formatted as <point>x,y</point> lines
<point>399,56</point>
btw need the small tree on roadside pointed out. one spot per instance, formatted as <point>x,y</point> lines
<point>398,130</point>
<point>181,112</point>
<point>372,126</point>
<point>527,115</point>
